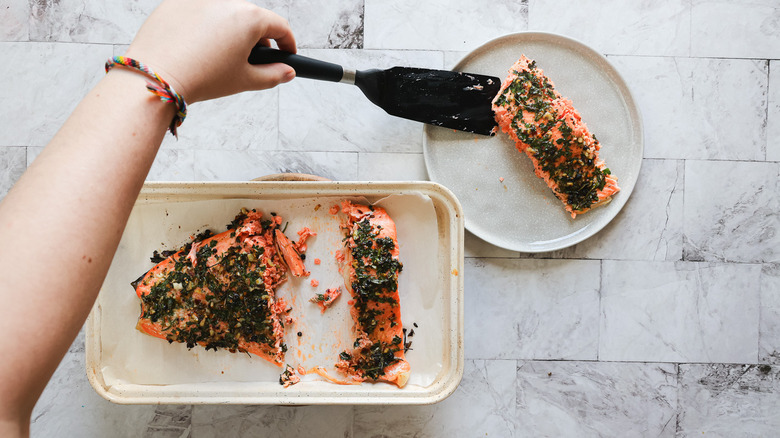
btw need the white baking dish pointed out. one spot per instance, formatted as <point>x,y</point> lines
<point>126,366</point>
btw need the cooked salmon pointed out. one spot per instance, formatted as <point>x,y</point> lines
<point>371,268</point>
<point>326,299</point>
<point>219,291</point>
<point>550,131</point>
<point>288,377</point>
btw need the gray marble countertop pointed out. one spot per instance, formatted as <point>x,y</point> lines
<point>666,323</point>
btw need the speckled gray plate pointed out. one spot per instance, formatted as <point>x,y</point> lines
<point>521,213</point>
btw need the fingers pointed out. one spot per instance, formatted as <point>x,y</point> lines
<point>276,28</point>
<point>272,27</point>
<point>269,75</point>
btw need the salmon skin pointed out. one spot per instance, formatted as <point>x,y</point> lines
<point>219,291</point>
<point>371,269</point>
<point>550,131</point>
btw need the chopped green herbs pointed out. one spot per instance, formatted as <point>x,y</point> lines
<point>219,300</point>
<point>567,160</point>
<point>375,282</point>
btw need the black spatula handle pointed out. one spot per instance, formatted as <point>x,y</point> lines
<point>304,67</point>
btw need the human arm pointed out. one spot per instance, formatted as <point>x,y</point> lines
<point>61,223</point>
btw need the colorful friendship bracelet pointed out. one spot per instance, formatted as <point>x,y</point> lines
<point>161,88</point>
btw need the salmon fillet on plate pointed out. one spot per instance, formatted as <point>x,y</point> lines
<point>547,127</point>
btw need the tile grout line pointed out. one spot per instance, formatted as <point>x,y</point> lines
<point>607,54</point>
<point>677,409</point>
<point>712,57</point>
<point>680,168</point>
<point>519,256</point>
<point>634,362</point>
<point>766,109</point>
<point>351,430</point>
<point>682,218</point>
<point>278,118</point>
<point>758,318</point>
<point>690,28</point>
<point>598,331</point>
<point>357,165</point>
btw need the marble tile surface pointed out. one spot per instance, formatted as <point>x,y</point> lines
<point>277,421</point>
<point>659,28</point>
<point>532,309</point>
<point>213,165</point>
<point>653,217</point>
<point>682,102</point>
<point>175,165</point>
<point>13,162</point>
<point>113,22</point>
<point>316,115</point>
<point>476,247</point>
<point>487,393</point>
<point>391,167</point>
<point>28,88</point>
<point>246,121</point>
<point>440,25</point>
<point>587,399</point>
<point>328,25</point>
<point>728,400</point>
<point>451,58</point>
<point>732,219</point>
<point>773,113</point>
<point>746,28</point>
<point>679,312</point>
<point>14,15</point>
<point>769,327</point>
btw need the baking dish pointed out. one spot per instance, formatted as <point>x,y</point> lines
<point>127,367</point>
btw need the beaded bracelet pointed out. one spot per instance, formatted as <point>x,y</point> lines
<point>161,88</point>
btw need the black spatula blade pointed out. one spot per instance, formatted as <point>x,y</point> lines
<point>450,99</point>
<point>439,97</point>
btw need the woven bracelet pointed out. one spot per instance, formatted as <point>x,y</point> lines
<point>161,88</point>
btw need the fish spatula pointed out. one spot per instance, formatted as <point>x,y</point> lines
<point>445,98</point>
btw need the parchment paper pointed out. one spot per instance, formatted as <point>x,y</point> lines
<point>131,357</point>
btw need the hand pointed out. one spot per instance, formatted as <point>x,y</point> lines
<point>200,47</point>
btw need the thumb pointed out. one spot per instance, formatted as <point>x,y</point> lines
<point>269,75</point>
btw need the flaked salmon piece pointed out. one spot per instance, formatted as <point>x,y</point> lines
<point>288,377</point>
<point>326,299</point>
<point>290,255</point>
<point>219,291</point>
<point>303,236</point>
<point>550,131</point>
<point>371,269</point>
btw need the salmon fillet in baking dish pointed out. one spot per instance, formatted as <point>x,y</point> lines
<point>371,268</point>
<point>550,131</point>
<point>219,291</point>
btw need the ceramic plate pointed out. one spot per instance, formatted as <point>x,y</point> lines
<point>520,213</point>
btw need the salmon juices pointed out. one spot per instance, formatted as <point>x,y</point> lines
<point>550,131</point>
